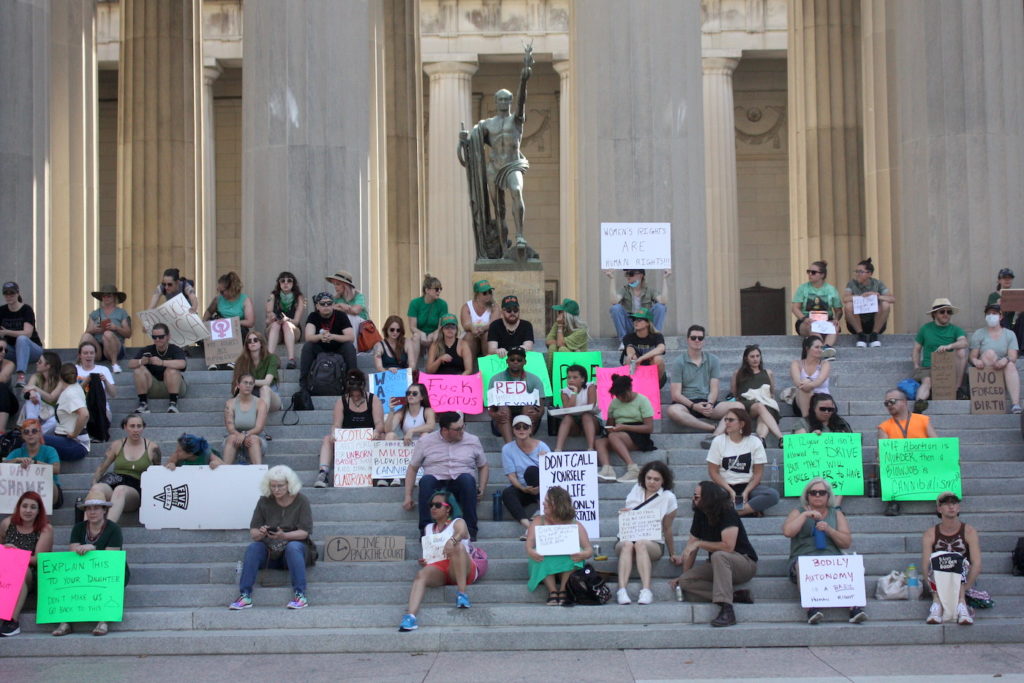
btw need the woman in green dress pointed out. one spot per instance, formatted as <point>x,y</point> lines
<point>548,569</point>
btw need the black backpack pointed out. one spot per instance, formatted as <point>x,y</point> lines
<point>586,587</point>
<point>10,441</point>
<point>1018,558</point>
<point>327,376</point>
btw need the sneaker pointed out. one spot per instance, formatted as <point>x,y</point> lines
<point>920,405</point>
<point>828,353</point>
<point>814,616</point>
<point>858,615</point>
<point>892,509</point>
<point>873,341</point>
<point>963,615</point>
<point>211,366</point>
<point>231,366</point>
<point>298,602</point>
<point>631,474</point>
<point>462,600</point>
<point>20,384</point>
<point>291,364</point>
<point>244,601</point>
<point>934,614</point>
<point>622,347</point>
<point>397,482</point>
<point>172,407</point>
<point>10,628</point>
<point>321,480</point>
<point>1016,410</point>
<point>116,369</point>
<point>862,341</point>
<point>622,596</point>
<point>382,482</point>
<point>143,407</point>
<point>646,597</point>
<point>606,473</point>
<point>408,624</point>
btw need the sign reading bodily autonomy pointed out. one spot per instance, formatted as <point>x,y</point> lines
<point>463,393</point>
<point>833,455</point>
<point>560,362</point>
<point>16,480</point>
<point>918,469</point>
<point>636,245</point>
<point>576,472</point>
<point>832,581</point>
<point>186,327</point>
<point>13,563</point>
<point>75,587</point>
<point>388,385</point>
<point>197,497</point>
<point>645,381</point>
<point>535,364</point>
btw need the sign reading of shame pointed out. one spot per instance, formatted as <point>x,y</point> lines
<point>576,472</point>
<point>832,581</point>
<point>560,362</point>
<point>186,327</point>
<point>918,469</point>
<point>636,245</point>
<point>75,587</point>
<point>463,393</point>
<point>197,497</point>
<point>988,391</point>
<point>225,342</point>
<point>16,480</point>
<point>640,525</point>
<point>365,549</point>
<point>557,539</point>
<point>833,455</point>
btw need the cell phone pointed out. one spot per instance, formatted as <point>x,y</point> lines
<point>399,401</point>
<point>273,529</point>
<point>147,355</point>
<point>739,504</point>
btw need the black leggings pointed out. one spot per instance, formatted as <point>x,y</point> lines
<point>516,500</point>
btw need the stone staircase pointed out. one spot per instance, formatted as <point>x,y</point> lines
<point>182,580</point>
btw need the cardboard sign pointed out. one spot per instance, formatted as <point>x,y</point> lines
<point>557,539</point>
<point>388,385</point>
<point>1011,300</point>
<point>75,587</point>
<point>944,379</point>
<point>645,381</point>
<point>832,581</point>
<point>197,497</point>
<point>463,393</point>
<point>988,391</point>
<point>560,362</point>
<point>13,563</point>
<point>353,457</point>
<point>918,469</point>
<point>16,480</point>
<point>225,342</point>
<point>433,547</point>
<point>365,549</point>
<point>390,459</point>
<point>835,456</point>
<point>535,364</point>
<point>640,525</point>
<point>865,304</point>
<point>512,393</point>
<point>636,245</point>
<point>186,327</point>
<point>576,472</point>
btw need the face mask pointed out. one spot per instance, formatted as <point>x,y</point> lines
<point>992,319</point>
<point>634,284</point>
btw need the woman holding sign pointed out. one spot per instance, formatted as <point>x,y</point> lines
<point>818,527</point>
<point>995,347</point>
<point>654,493</point>
<point>558,511</point>
<point>231,302</point>
<point>629,426</point>
<point>356,409</point>
<point>26,529</point>
<point>34,451</point>
<point>958,545</point>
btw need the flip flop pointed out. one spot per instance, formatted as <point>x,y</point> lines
<point>62,630</point>
<point>101,629</point>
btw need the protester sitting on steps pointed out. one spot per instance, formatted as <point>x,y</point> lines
<point>810,374</point>
<point>634,295</point>
<point>736,462</point>
<point>752,378</point>
<point>549,569</point>
<point>159,369</point>
<point>389,353</point>
<point>425,314</point>
<point>501,416</point>
<point>35,452</point>
<point>995,347</point>
<point>576,393</point>
<point>357,408</point>
<point>902,424</point>
<point>867,326</point>
<point>245,416</point>
<point>109,326</point>
<point>510,331</point>
<point>653,490</point>
<point>18,322</point>
<point>349,300</point>
<point>257,360</point>
<point>817,298</point>
<point>938,336</point>
<point>412,419</point>
<point>43,390</point>
<point>69,438</point>
<point>285,308</point>
<point>520,460</point>
<point>644,345</point>
<point>475,317</point>
<point>629,427</point>
<point>27,528</point>
<point>696,375</point>
<point>569,332</point>
<point>1010,320</point>
<point>193,450</point>
<point>327,331</point>
<point>953,537</point>
<point>231,302</point>
<point>171,285</point>
<point>448,353</point>
<point>130,456</point>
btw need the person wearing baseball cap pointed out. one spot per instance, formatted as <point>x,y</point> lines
<point>18,322</point>
<point>510,331</point>
<point>328,330</point>
<point>569,332</point>
<point>939,335</point>
<point>645,345</point>
<point>633,295</point>
<point>502,415</point>
<point>475,316</point>
<point>109,325</point>
<point>950,545</point>
<point>448,354</point>
<point>1009,319</point>
<point>995,347</point>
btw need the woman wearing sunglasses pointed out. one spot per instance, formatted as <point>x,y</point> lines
<point>818,527</point>
<point>817,298</point>
<point>259,361</point>
<point>449,355</point>
<point>390,353</point>
<point>356,409</point>
<point>520,460</point>
<point>822,417</point>
<point>411,417</point>
<point>736,462</point>
<point>285,307</point>
<point>425,313</point>
<point>35,451</point>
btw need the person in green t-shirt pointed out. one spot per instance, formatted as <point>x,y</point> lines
<point>941,336</point>
<point>628,428</point>
<point>424,314</point>
<point>817,299</point>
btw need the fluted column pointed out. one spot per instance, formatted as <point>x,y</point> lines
<point>159,144</point>
<point>207,269</point>
<point>450,246</point>
<point>723,282</point>
<point>826,188</point>
<point>568,230</point>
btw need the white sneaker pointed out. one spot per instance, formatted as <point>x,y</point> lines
<point>963,615</point>
<point>631,474</point>
<point>623,596</point>
<point>646,597</point>
<point>606,473</point>
<point>116,369</point>
<point>934,614</point>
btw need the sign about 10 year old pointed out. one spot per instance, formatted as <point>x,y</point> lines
<point>576,472</point>
<point>834,455</point>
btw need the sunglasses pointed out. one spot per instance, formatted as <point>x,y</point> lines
<point>29,431</point>
<point>159,336</point>
<point>286,279</point>
<point>729,419</point>
<point>521,426</point>
<point>696,338</point>
<point>251,340</point>
<point>435,289</point>
<point>814,272</point>
<point>395,329</point>
<point>817,492</point>
<point>412,394</point>
<point>861,272</point>
<point>944,311</point>
<point>827,409</point>
<point>512,309</point>
<point>438,506</point>
<point>890,402</point>
<point>324,302</point>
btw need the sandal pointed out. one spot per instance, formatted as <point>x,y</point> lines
<point>554,599</point>
<point>101,629</point>
<point>62,630</point>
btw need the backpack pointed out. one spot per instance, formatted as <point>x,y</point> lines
<point>10,441</point>
<point>326,377</point>
<point>1017,558</point>
<point>586,587</point>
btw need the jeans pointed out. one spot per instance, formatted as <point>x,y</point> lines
<point>760,498</point>
<point>310,350</point>
<point>24,351</point>
<point>464,488</point>
<point>516,500</point>
<point>67,449</point>
<point>257,557</point>
<point>623,325</point>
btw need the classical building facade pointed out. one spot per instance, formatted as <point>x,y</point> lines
<point>317,135</point>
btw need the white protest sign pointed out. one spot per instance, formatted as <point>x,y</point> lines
<point>823,327</point>
<point>575,410</point>
<point>16,480</point>
<point>353,457</point>
<point>576,472</point>
<point>197,497</point>
<point>865,304</point>
<point>512,393</point>
<point>390,459</point>
<point>640,525</point>
<point>832,581</point>
<point>557,539</point>
<point>433,547</point>
<point>636,245</point>
<point>186,327</point>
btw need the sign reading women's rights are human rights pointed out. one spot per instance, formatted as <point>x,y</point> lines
<point>636,245</point>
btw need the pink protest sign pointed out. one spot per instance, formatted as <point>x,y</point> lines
<point>645,381</point>
<point>13,563</point>
<point>464,393</point>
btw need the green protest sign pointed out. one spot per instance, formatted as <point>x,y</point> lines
<point>835,456</point>
<point>492,365</point>
<point>918,469</point>
<point>75,587</point>
<point>561,360</point>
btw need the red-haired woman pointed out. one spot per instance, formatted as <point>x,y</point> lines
<point>26,529</point>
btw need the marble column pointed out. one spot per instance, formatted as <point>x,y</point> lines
<point>24,143</point>
<point>639,143</point>
<point>159,143</point>
<point>451,251</point>
<point>207,269</point>
<point>722,212</point>
<point>826,204</point>
<point>568,229</point>
<point>306,101</point>
<point>958,134</point>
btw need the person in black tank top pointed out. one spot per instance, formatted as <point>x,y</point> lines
<point>449,355</point>
<point>355,409</point>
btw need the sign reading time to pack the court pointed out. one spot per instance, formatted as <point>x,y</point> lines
<point>636,245</point>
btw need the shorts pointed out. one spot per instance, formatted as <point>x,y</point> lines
<point>641,442</point>
<point>867,323</point>
<point>444,565</point>
<point>922,373</point>
<point>159,390</point>
<point>692,407</point>
<point>113,480</point>
<point>120,350</point>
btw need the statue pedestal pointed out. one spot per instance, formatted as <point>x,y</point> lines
<point>525,279</point>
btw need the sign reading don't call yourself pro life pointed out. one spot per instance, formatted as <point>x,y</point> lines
<point>636,245</point>
<point>833,455</point>
<point>75,587</point>
<point>576,472</point>
<point>832,581</point>
<point>988,391</point>
<point>918,469</point>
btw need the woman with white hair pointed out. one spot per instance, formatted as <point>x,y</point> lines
<point>280,530</point>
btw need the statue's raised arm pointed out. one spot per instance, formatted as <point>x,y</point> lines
<point>524,76</point>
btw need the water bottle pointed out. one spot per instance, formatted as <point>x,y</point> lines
<point>913,583</point>
<point>820,539</point>
<point>679,593</point>
<point>238,569</point>
<point>496,513</point>
<point>871,490</point>
<point>773,474</point>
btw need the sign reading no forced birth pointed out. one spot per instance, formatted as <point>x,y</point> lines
<point>918,469</point>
